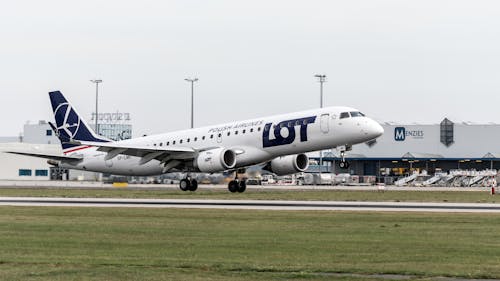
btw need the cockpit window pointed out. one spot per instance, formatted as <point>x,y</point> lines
<point>357,114</point>
<point>344,115</point>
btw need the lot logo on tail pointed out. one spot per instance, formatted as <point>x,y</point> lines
<point>67,121</point>
<point>288,128</point>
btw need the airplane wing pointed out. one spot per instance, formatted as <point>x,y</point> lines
<point>147,153</point>
<point>47,156</point>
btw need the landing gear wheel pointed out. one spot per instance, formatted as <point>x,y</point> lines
<point>344,165</point>
<point>233,186</point>
<point>193,185</point>
<point>184,185</point>
<point>242,186</point>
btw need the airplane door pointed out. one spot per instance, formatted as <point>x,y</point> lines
<point>324,123</point>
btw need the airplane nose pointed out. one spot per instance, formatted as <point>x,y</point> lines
<point>376,129</point>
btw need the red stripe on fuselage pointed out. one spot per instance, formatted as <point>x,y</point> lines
<point>76,149</point>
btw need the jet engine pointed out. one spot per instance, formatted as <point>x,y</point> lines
<point>287,165</point>
<point>215,160</point>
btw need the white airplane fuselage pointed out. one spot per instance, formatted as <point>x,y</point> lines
<point>254,141</point>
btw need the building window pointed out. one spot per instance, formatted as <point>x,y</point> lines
<point>48,133</point>
<point>24,173</point>
<point>41,173</point>
<point>447,132</point>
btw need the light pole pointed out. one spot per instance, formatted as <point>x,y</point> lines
<point>192,80</point>
<point>321,80</point>
<point>96,82</point>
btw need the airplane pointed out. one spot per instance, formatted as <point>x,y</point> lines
<point>278,142</point>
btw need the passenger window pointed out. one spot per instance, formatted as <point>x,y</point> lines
<point>251,130</point>
<point>236,132</point>
<point>161,144</point>
<point>196,138</point>
<point>244,131</point>
<point>173,142</point>
<point>203,138</point>
<point>344,115</point>
<point>258,129</point>
<point>180,141</point>
<point>211,136</point>
<point>220,135</point>
<point>168,143</point>
<point>228,134</point>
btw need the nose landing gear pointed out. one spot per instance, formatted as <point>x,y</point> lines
<point>343,164</point>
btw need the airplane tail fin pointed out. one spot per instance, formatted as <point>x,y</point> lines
<point>69,125</point>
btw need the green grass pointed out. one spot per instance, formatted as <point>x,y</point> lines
<point>39,243</point>
<point>338,195</point>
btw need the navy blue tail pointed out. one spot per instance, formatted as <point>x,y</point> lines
<point>69,126</point>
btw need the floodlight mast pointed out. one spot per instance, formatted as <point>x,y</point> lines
<point>192,80</point>
<point>96,82</point>
<point>321,80</point>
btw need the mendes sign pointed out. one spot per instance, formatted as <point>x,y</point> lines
<point>401,134</point>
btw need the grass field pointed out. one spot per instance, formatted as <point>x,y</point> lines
<point>39,243</point>
<point>338,195</point>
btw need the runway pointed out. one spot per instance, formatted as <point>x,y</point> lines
<point>253,204</point>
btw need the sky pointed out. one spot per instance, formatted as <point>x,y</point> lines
<point>395,60</point>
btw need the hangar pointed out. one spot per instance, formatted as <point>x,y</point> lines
<point>405,148</point>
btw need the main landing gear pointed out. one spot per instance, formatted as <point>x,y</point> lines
<point>188,184</point>
<point>237,185</point>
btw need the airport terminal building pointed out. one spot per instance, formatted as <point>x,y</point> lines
<point>436,147</point>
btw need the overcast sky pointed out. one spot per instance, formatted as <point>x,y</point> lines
<point>403,61</point>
